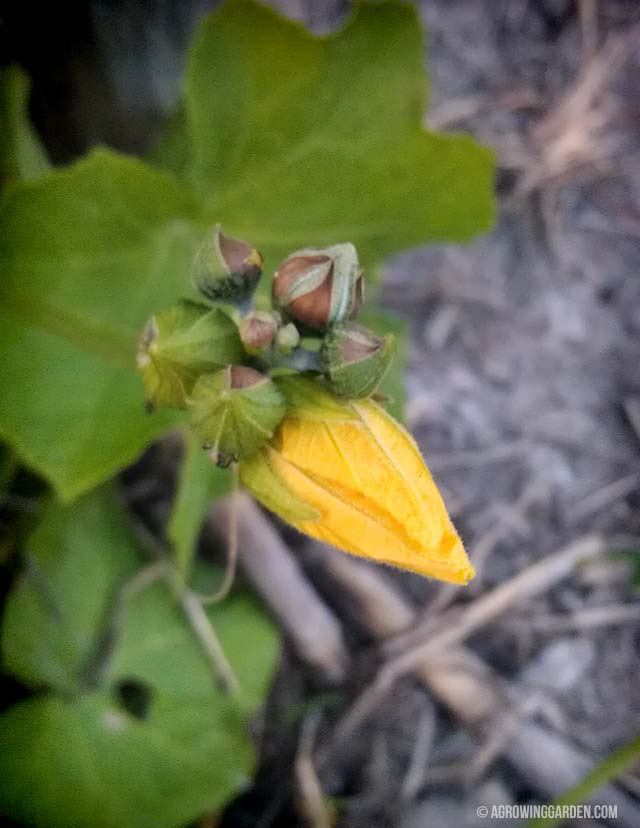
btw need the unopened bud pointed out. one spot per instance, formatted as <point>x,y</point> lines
<point>235,411</point>
<point>355,360</point>
<point>257,331</point>
<point>224,269</point>
<point>320,287</point>
<point>179,344</point>
<point>287,337</point>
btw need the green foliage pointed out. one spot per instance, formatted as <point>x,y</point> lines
<point>8,468</point>
<point>87,254</point>
<point>22,156</point>
<point>302,141</point>
<point>289,140</point>
<point>75,755</point>
<point>77,559</point>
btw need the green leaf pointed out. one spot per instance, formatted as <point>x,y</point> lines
<point>156,646</point>
<point>171,151</point>
<point>87,254</point>
<point>298,140</point>
<point>287,139</point>
<point>87,763</point>
<point>199,484</point>
<point>77,558</point>
<point>8,468</point>
<point>392,383</point>
<point>22,156</point>
<point>82,758</point>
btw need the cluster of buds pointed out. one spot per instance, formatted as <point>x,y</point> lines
<point>219,362</point>
<point>285,394</point>
<point>322,291</point>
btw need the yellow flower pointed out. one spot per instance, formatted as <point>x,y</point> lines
<point>345,472</point>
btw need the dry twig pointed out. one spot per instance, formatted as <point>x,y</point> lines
<point>589,618</point>
<point>576,135</point>
<point>537,578</point>
<point>511,515</point>
<point>311,799</point>
<point>464,683</point>
<point>604,497</point>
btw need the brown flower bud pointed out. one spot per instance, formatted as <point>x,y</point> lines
<point>257,331</point>
<point>225,269</point>
<point>320,287</point>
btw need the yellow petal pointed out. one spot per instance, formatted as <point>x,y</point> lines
<point>369,485</point>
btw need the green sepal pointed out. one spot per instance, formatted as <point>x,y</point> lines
<point>181,343</point>
<point>355,360</point>
<point>309,400</point>
<point>258,476</point>
<point>235,419</point>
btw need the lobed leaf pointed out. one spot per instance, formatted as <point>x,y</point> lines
<point>287,139</point>
<point>77,755</point>
<point>298,140</point>
<point>77,558</point>
<point>87,254</point>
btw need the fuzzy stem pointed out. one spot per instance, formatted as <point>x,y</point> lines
<point>232,546</point>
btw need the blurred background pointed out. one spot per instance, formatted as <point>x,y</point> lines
<point>523,391</point>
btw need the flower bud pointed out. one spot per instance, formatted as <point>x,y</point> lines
<point>346,473</point>
<point>287,337</point>
<point>354,360</point>
<point>179,344</point>
<point>257,331</point>
<point>224,269</point>
<point>235,411</point>
<point>320,287</point>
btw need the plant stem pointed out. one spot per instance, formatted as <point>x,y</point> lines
<point>232,546</point>
<point>207,636</point>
